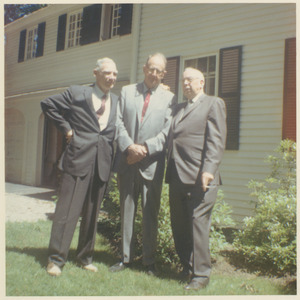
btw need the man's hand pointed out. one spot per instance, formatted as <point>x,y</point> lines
<point>206,178</point>
<point>164,86</point>
<point>69,136</point>
<point>136,153</point>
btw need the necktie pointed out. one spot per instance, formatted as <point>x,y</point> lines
<point>146,103</point>
<point>101,110</point>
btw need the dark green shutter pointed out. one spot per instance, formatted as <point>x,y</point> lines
<point>61,32</point>
<point>126,19</point>
<point>91,20</point>
<point>40,39</point>
<point>171,79</point>
<point>22,44</point>
<point>230,91</point>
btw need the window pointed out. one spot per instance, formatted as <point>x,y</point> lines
<point>31,43</point>
<point>116,17</point>
<point>207,65</point>
<point>74,29</point>
<point>94,23</point>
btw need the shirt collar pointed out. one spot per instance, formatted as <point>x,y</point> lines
<point>99,92</point>
<point>145,89</point>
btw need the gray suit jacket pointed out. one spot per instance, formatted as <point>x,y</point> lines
<point>152,131</point>
<point>197,139</point>
<point>74,110</point>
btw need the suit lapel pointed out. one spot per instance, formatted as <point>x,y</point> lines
<point>113,104</point>
<point>89,101</point>
<point>188,110</point>
<point>139,101</point>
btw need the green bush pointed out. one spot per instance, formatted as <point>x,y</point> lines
<point>111,224</point>
<point>267,240</point>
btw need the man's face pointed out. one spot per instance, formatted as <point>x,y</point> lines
<point>154,72</point>
<point>106,77</point>
<point>192,84</point>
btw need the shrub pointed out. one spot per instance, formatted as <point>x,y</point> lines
<point>111,224</point>
<point>267,240</point>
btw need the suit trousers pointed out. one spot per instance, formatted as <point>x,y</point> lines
<point>132,184</point>
<point>79,196</point>
<point>190,209</point>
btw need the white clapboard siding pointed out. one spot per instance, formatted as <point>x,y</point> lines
<point>195,30</point>
<point>63,68</point>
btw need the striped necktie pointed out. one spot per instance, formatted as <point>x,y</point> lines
<point>101,110</point>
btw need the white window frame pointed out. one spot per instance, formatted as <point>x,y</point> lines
<point>115,20</point>
<point>75,32</point>
<point>31,42</point>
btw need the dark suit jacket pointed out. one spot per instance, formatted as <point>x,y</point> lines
<point>74,110</point>
<point>197,139</point>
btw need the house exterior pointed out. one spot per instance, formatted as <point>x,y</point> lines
<point>247,52</point>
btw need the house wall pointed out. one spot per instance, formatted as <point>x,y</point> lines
<point>29,82</point>
<point>195,30</point>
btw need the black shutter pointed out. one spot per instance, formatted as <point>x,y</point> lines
<point>91,20</point>
<point>22,44</point>
<point>172,76</point>
<point>61,32</point>
<point>230,91</point>
<point>40,39</point>
<point>126,19</point>
<point>289,119</point>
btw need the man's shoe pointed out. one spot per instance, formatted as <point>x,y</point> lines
<point>118,267</point>
<point>90,267</point>
<point>185,275</point>
<point>151,270</point>
<point>53,269</point>
<point>197,284</point>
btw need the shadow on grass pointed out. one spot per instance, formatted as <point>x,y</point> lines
<point>47,196</point>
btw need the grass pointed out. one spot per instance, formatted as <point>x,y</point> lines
<point>26,260</point>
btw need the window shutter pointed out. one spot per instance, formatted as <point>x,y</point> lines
<point>22,44</point>
<point>61,32</point>
<point>40,39</point>
<point>230,91</point>
<point>289,97</point>
<point>126,19</point>
<point>91,20</point>
<point>172,76</point>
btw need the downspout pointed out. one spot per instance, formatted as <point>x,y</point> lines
<point>136,23</point>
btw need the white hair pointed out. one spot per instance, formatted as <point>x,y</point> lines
<point>101,61</point>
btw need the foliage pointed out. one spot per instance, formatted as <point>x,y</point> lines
<point>221,218</point>
<point>268,238</point>
<point>13,12</point>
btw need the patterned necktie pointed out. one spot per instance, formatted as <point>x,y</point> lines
<point>146,103</point>
<point>101,110</point>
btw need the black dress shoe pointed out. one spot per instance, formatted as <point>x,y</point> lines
<point>197,284</point>
<point>118,267</point>
<point>185,275</point>
<point>151,270</point>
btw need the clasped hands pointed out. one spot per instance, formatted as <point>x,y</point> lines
<point>136,153</point>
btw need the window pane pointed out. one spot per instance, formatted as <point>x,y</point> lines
<point>212,64</point>
<point>191,63</point>
<point>202,64</point>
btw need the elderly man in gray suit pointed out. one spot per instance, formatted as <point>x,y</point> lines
<point>195,149</point>
<point>143,122</point>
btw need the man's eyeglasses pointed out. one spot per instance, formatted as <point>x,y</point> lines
<point>153,70</point>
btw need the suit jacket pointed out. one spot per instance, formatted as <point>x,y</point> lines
<point>152,131</point>
<point>197,139</point>
<point>74,110</point>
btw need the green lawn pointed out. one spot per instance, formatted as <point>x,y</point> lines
<point>26,260</point>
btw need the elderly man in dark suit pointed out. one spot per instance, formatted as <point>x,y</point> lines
<point>143,122</point>
<point>86,115</point>
<point>195,149</point>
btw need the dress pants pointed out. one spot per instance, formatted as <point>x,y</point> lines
<point>132,184</point>
<point>190,210</point>
<point>79,196</point>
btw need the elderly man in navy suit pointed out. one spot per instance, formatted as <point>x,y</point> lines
<point>143,122</point>
<point>87,116</point>
<point>195,149</point>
